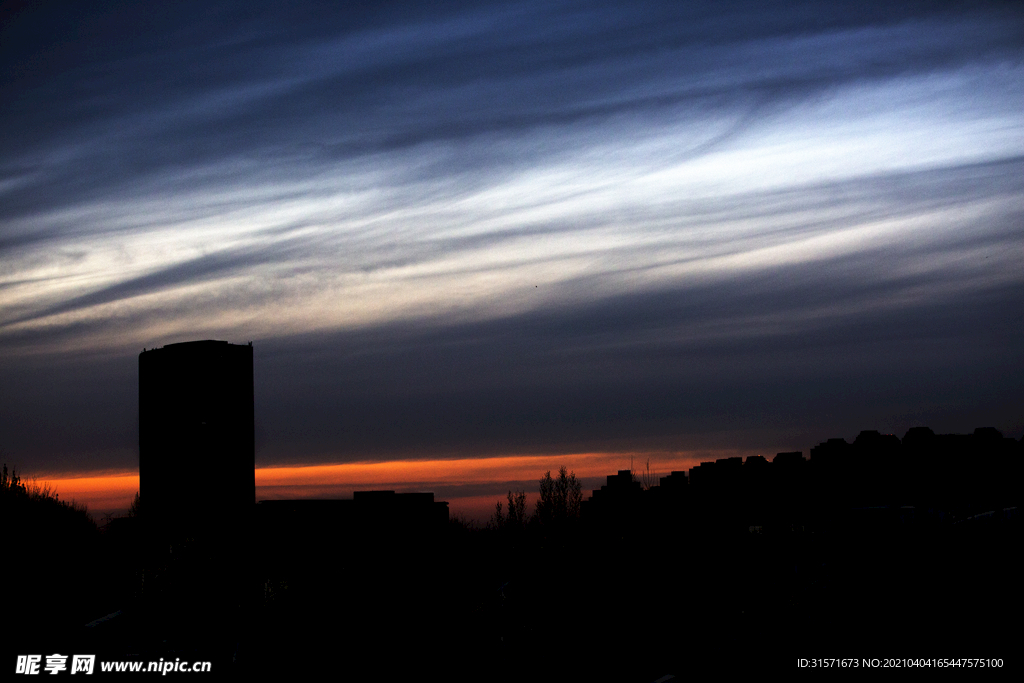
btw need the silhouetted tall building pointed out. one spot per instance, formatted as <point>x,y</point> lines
<point>196,443</point>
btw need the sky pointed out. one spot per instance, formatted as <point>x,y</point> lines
<point>493,237</point>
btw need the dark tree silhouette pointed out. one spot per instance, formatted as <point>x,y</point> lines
<point>560,498</point>
<point>648,479</point>
<point>515,517</point>
<point>136,509</point>
<point>11,483</point>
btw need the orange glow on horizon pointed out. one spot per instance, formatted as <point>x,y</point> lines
<point>106,492</point>
<point>499,473</point>
<point>472,470</point>
<point>99,492</point>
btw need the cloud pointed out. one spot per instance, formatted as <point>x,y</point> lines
<point>194,271</point>
<point>665,369</point>
<point>525,226</point>
<point>485,263</point>
<point>295,90</point>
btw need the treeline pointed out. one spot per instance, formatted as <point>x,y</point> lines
<point>558,506</point>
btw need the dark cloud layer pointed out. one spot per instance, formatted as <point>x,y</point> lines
<point>632,372</point>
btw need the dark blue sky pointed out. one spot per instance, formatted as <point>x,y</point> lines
<point>497,228</point>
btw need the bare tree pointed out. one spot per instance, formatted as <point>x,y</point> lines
<point>560,498</point>
<point>515,517</point>
<point>647,479</point>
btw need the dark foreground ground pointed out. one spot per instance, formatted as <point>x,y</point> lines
<point>632,602</point>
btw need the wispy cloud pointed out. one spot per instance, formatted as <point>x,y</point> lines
<point>588,188</point>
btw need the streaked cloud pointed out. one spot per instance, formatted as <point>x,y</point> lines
<point>517,227</point>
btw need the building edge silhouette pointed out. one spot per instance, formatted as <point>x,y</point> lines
<point>197,435</point>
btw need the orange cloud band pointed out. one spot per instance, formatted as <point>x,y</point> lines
<point>113,492</point>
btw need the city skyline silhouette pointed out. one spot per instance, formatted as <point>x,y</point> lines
<point>858,538</point>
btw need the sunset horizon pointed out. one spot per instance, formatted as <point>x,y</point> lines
<point>458,481</point>
<point>333,287</point>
